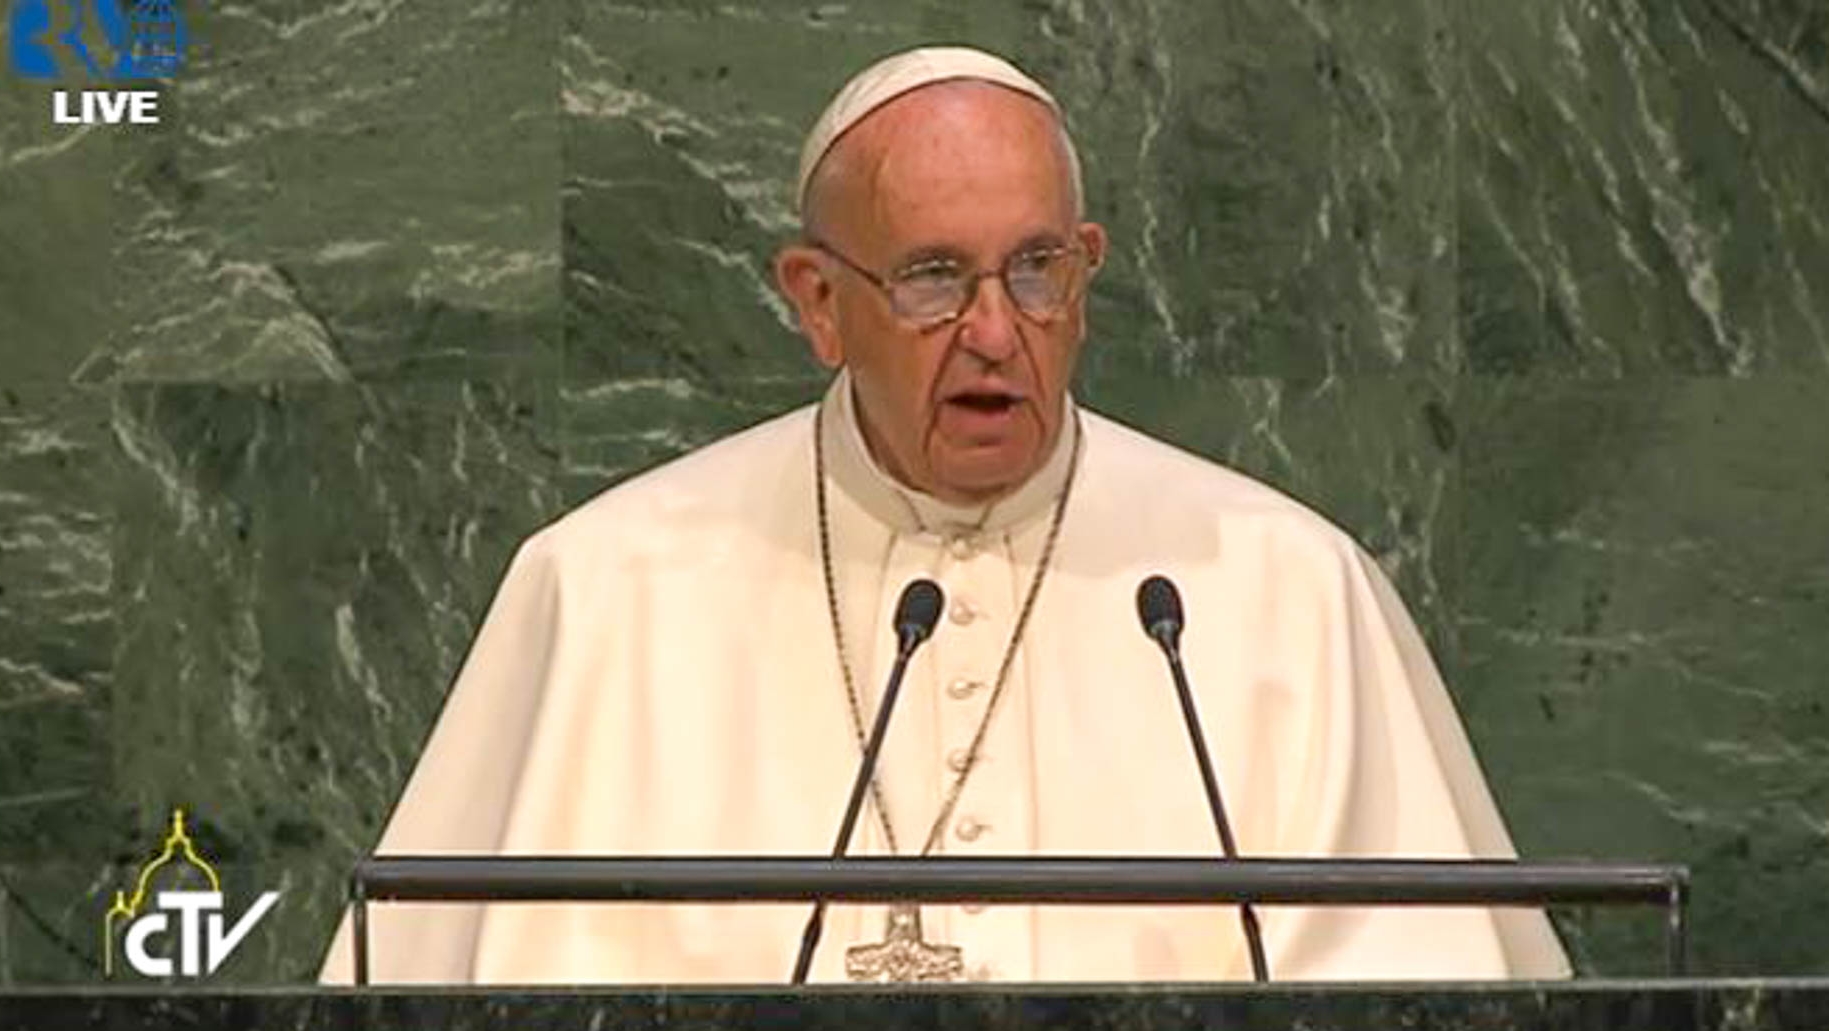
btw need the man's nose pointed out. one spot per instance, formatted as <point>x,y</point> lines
<point>989,326</point>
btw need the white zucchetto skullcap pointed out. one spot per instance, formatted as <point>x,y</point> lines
<point>895,75</point>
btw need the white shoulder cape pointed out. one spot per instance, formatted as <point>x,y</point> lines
<point>657,676</point>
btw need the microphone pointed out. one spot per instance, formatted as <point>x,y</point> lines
<point>1159,609</point>
<point>916,612</point>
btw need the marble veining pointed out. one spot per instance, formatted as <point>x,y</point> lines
<point>1533,299</point>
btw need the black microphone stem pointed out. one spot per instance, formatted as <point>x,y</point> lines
<point>1247,914</point>
<point>1208,778</point>
<point>809,938</point>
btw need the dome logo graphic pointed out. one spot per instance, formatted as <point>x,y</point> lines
<point>191,920</point>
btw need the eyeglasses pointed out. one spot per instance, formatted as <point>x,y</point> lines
<point>1042,281</point>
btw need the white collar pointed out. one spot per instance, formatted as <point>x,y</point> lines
<point>856,472</point>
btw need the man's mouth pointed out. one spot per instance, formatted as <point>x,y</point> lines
<point>985,402</point>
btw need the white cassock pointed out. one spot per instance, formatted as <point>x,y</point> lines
<point>658,676</point>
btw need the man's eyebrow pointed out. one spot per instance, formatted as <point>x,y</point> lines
<point>939,252</point>
<point>1040,241</point>
<point>932,254</point>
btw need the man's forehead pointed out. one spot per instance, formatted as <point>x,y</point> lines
<point>948,152</point>
<point>895,76</point>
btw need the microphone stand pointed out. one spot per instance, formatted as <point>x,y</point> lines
<point>916,614</point>
<point>1159,605</point>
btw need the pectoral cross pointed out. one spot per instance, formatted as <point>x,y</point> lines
<point>903,956</point>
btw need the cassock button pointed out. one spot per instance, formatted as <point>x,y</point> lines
<point>956,759</point>
<point>962,548</point>
<point>970,828</point>
<point>961,688</point>
<point>962,613</point>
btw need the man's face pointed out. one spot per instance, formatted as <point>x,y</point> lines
<point>967,173</point>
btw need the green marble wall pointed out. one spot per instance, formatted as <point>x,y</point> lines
<point>1533,298</point>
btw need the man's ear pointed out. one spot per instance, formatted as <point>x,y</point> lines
<point>1092,237</point>
<point>800,272</point>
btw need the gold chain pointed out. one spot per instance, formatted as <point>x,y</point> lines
<point>1003,669</point>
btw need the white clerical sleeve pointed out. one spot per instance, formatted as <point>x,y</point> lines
<point>460,794</point>
<point>1398,779</point>
<point>1529,946</point>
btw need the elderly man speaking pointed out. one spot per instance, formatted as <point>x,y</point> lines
<point>688,663</point>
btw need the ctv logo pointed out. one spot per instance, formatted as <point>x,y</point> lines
<point>188,921</point>
<point>55,40</point>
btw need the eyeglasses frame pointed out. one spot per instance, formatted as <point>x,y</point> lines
<point>1001,273</point>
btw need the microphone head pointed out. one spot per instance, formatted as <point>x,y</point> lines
<point>917,612</point>
<point>1159,610</point>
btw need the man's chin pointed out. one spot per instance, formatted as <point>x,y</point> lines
<point>969,480</point>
